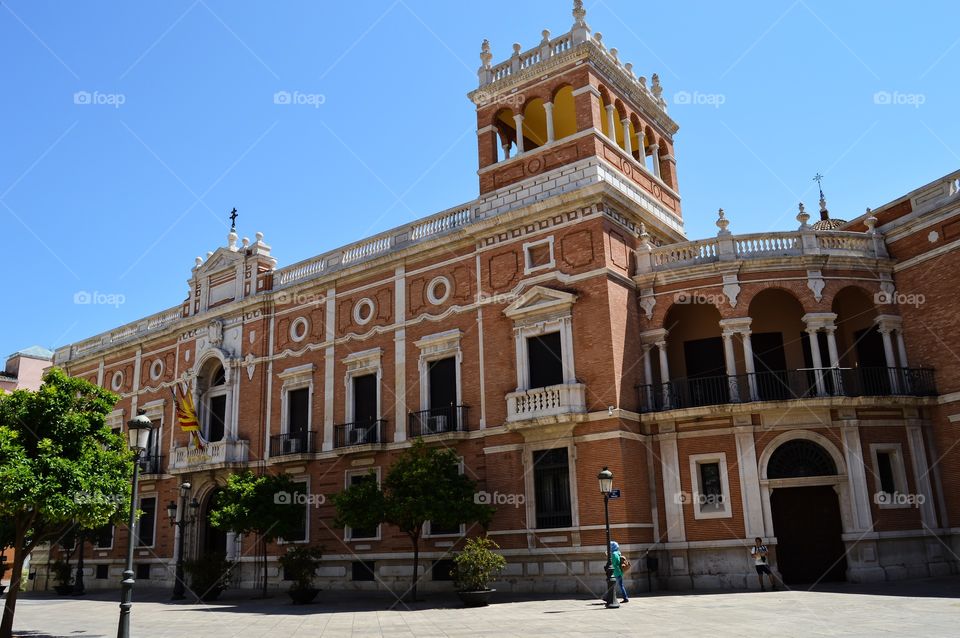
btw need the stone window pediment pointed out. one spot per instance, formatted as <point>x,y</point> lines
<point>540,302</point>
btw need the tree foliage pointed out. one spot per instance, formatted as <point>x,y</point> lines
<point>423,484</point>
<point>60,466</point>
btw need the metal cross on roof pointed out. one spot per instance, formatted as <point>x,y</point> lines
<point>233,219</point>
<point>818,178</point>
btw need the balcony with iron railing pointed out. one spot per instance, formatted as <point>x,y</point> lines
<point>452,418</point>
<point>360,433</point>
<point>303,442</point>
<point>152,464</point>
<point>784,385</point>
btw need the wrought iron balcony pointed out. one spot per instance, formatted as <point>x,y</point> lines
<point>452,418</point>
<point>363,433</point>
<point>293,443</point>
<point>782,385</point>
<point>152,464</point>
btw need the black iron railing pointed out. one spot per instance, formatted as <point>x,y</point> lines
<point>358,433</point>
<point>452,418</point>
<point>152,464</point>
<point>293,443</point>
<point>782,385</point>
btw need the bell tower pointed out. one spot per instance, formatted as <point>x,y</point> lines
<point>567,99</point>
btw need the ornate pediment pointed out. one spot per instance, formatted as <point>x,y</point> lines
<point>221,259</point>
<point>539,301</point>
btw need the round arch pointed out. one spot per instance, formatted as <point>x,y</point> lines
<point>564,112</point>
<point>804,435</point>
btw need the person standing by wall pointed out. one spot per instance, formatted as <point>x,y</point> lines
<point>759,553</point>
<point>618,561</point>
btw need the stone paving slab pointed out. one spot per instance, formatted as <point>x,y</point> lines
<point>929,608</point>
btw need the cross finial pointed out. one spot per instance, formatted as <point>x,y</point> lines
<point>233,219</point>
<point>818,178</point>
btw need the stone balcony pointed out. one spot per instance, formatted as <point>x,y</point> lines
<point>552,401</point>
<point>728,247</point>
<point>215,454</point>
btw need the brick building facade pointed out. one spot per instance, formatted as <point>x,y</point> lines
<point>799,385</point>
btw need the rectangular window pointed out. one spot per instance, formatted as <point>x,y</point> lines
<point>442,569</point>
<point>711,488</point>
<point>363,570</point>
<point>365,399</point>
<point>362,533</point>
<point>216,418</point>
<point>538,255</point>
<point>302,529</point>
<point>143,571</point>
<point>551,482</point>
<point>545,360</point>
<point>442,384</point>
<point>298,410</point>
<point>147,522</point>
<point>103,572</point>
<point>104,537</point>
<point>885,472</point>
<point>436,529</point>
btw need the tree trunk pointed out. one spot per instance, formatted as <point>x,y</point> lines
<point>263,555</point>
<point>10,604</point>
<point>416,565</point>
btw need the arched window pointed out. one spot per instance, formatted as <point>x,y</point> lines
<point>799,458</point>
<point>534,125</point>
<point>506,132</point>
<point>564,113</point>
<point>214,395</point>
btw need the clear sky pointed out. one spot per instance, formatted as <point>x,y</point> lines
<point>128,130</point>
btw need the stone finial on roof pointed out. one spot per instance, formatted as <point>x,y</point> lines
<point>722,223</point>
<point>485,55</point>
<point>803,217</point>
<point>598,38</point>
<point>870,221</point>
<point>245,242</point>
<point>655,88</point>
<point>579,14</point>
<point>545,36</point>
<point>198,262</point>
<point>232,240</point>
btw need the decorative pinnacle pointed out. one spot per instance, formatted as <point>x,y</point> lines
<point>722,223</point>
<point>579,13</point>
<point>803,216</point>
<point>485,55</point>
<point>655,87</point>
<point>546,36</point>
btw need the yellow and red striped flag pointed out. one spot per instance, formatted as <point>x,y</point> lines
<point>187,415</point>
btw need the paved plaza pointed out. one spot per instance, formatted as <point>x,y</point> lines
<point>917,608</point>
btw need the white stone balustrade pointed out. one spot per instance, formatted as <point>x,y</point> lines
<point>555,400</point>
<point>215,453</point>
<point>761,246</point>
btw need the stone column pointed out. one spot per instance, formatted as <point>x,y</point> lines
<point>901,348</point>
<point>548,107</point>
<point>641,147</point>
<point>921,476</point>
<point>834,360</point>
<point>857,479</point>
<point>506,149</point>
<point>749,482</point>
<point>673,503</point>
<point>888,357</point>
<point>817,361</point>
<point>518,119</point>
<point>655,151</point>
<point>612,123</point>
<point>731,365</point>
<point>648,374</point>
<point>748,364</point>
<point>627,143</point>
<point>664,373</point>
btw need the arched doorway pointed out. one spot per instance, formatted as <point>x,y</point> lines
<point>212,539</point>
<point>806,514</point>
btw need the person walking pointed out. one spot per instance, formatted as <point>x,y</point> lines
<point>617,559</point>
<point>759,553</point>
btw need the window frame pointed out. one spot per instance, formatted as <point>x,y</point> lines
<point>530,489</point>
<point>359,364</point>
<point>696,460</point>
<point>528,265</point>
<point>296,378</point>
<point>139,526</point>
<point>305,480</point>
<point>898,466</point>
<point>428,528</point>
<point>434,347</point>
<point>347,481</point>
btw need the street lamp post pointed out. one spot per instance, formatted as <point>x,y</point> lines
<point>182,524</point>
<point>138,433</point>
<point>606,486</point>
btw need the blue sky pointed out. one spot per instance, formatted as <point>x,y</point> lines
<point>177,124</point>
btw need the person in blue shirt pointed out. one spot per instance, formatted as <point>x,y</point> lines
<point>616,558</point>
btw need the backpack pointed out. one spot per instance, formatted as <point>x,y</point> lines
<point>624,563</point>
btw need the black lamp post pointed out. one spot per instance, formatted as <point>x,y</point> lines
<point>606,486</point>
<point>182,524</point>
<point>138,433</point>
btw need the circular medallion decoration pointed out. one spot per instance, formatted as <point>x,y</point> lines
<point>657,191</point>
<point>363,311</point>
<point>534,165</point>
<point>626,168</point>
<point>438,290</point>
<point>116,381</point>
<point>299,328</point>
<point>156,369</point>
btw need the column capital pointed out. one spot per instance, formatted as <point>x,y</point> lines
<point>654,336</point>
<point>736,325</point>
<point>610,108</point>
<point>654,146</point>
<point>518,117</point>
<point>548,105</point>
<point>819,320</point>
<point>887,323</point>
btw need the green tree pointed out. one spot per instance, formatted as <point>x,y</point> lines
<point>60,465</point>
<point>270,506</point>
<point>423,484</point>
